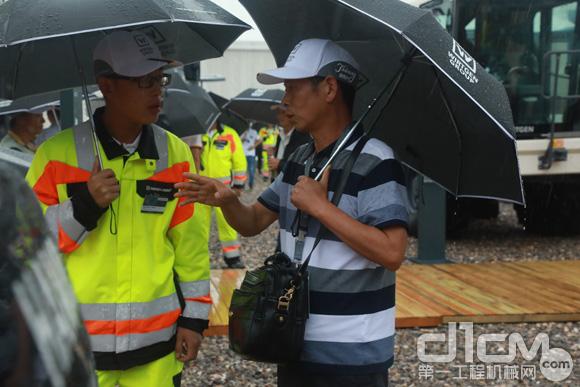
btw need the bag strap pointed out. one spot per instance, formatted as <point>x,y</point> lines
<point>336,196</point>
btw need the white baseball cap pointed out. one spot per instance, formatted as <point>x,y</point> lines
<point>316,57</point>
<point>129,54</point>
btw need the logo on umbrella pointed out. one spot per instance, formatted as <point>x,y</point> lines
<point>463,62</point>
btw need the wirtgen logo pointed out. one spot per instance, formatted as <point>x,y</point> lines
<point>556,364</point>
<point>463,62</point>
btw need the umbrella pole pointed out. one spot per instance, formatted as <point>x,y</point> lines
<point>87,102</point>
<point>393,85</point>
<point>55,117</point>
<point>113,220</point>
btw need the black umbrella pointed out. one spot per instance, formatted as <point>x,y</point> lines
<point>60,36</point>
<point>256,104</point>
<point>187,109</point>
<point>440,111</point>
<point>42,41</point>
<point>228,117</point>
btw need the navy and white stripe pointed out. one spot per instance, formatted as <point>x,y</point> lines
<point>352,299</point>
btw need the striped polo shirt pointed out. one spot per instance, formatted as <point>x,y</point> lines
<point>351,327</point>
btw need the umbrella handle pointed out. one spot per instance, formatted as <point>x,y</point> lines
<point>87,102</point>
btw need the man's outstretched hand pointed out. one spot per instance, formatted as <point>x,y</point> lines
<point>204,190</point>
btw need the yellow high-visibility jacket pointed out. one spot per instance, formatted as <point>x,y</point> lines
<point>124,262</point>
<point>223,156</point>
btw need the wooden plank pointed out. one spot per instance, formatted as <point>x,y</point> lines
<point>522,289</point>
<point>562,274</point>
<point>514,318</point>
<point>552,274</point>
<point>499,284</point>
<point>429,283</point>
<point>431,295</point>
<point>417,322</point>
<point>224,286</point>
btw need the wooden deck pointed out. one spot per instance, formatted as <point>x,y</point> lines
<point>431,295</point>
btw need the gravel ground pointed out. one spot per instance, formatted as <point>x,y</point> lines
<point>498,240</point>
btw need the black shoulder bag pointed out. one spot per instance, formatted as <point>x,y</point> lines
<point>268,313</point>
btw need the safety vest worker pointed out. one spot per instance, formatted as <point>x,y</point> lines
<point>223,158</point>
<point>269,138</point>
<point>137,261</point>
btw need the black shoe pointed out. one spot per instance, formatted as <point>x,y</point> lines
<point>234,263</point>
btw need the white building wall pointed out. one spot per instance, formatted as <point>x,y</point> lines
<point>239,65</point>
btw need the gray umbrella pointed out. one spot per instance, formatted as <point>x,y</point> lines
<point>187,109</point>
<point>440,111</point>
<point>256,104</point>
<point>47,45</point>
<point>33,104</point>
<point>36,103</point>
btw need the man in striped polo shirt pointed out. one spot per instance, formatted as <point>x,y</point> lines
<point>349,339</point>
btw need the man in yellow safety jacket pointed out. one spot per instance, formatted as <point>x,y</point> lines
<point>268,144</point>
<point>137,260</point>
<point>223,158</point>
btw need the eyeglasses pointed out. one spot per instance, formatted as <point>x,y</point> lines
<point>147,81</point>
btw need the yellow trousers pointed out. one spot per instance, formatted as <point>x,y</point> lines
<point>164,372</point>
<point>228,236</point>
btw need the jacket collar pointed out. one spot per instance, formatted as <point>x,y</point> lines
<point>147,148</point>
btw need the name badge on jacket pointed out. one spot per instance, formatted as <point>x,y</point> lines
<point>220,144</point>
<point>155,195</point>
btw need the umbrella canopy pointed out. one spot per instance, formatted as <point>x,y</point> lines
<point>228,117</point>
<point>36,38</point>
<point>256,104</point>
<point>36,103</point>
<point>32,104</point>
<point>187,109</point>
<point>440,111</point>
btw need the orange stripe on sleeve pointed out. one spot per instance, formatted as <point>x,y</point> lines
<point>203,299</point>
<point>120,328</point>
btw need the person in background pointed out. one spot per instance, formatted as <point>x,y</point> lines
<point>223,159</point>
<point>195,143</point>
<point>54,119</point>
<point>250,141</point>
<point>289,139</point>
<point>266,145</point>
<point>22,132</point>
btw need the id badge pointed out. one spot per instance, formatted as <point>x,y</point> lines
<point>154,204</point>
<point>220,144</point>
<point>155,195</point>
